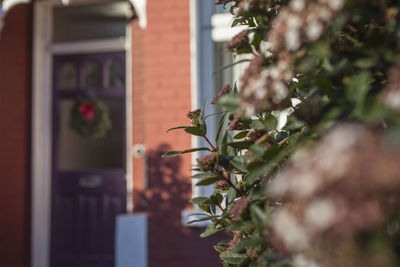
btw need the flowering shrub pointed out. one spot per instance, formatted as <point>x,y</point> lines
<point>321,185</point>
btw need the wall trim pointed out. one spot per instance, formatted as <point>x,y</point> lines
<point>41,136</point>
<point>129,116</point>
<point>105,45</point>
<point>202,87</point>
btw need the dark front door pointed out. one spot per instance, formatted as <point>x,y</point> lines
<point>88,184</point>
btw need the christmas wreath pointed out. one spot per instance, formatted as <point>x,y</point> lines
<point>90,118</point>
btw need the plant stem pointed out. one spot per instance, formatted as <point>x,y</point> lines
<point>208,141</point>
<point>219,206</point>
<point>234,187</point>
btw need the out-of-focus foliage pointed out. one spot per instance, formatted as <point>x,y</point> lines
<point>322,189</point>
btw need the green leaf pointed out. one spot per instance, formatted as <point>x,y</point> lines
<point>235,22</point>
<point>320,49</point>
<point>259,171</point>
<point>254,264</point>
<point>270,122</point>
<point>240,135</point>
<point>365,63</point>
<point>215,114</point>
<point>175,153</point>
<point>307,64</point>
<point>205,218</point>
<point>230,65</point>
<point>327,120</point>
<point>293,124</point>
<point>208,181</point>
<point>230,196</point>
<point>206,208</point>
<point>233,258</point>
<point>235,88</point>
<point>238,165</point>
<point>352,39</point>
<point>178,127</point>
<point>220,249</point>
<point>257,150</point>
<point>240,226</point>
<point>257,194</point>
<point>221,129</point>
<point>271,153</point>
<point>211,229</point>
<point>257,215</point>
<point>241,144</point>
<point>216,198</point>
<point>198,200</point>
<point>204,175</point>
<point>373,110</point>
<point>357,86</point>
<point>256,124</point>
<point>199,214</point>
<point>202,117</point>
<point>247,242</point>
<point>229,102</point>
<point>195,131</point>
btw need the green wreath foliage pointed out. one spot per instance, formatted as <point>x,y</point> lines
<point>90,118</point>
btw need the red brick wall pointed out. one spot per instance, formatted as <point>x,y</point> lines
<point>161,72</point>
<point>14,136</point>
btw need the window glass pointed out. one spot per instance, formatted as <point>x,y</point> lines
<point>220,8</point>
<point>88,22</point>
<point>76,152</point>
<point>68,76</point>
<point>91,75</point>
<point>222,58</point>
<point>115,73</point>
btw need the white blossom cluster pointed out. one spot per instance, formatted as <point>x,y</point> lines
<point>302,180</point>
<point>265,88</point>
<point>332,156</point>
<point>302,21</point>
<point>335,189</point>
<point>246,5</point>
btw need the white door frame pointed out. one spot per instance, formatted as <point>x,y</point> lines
<point>43,50</point>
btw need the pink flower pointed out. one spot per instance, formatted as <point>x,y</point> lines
<point>227,88</point>
<point>239,207</point>
<point>207,162</point>
<point>239,42</point>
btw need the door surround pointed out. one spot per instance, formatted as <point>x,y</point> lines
<point>43,50</point>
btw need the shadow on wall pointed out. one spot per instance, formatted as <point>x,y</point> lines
<point>168,193</point>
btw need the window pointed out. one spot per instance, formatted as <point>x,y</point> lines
<point>90,21</point>
<point>211,30</point>
<point>68,76</point>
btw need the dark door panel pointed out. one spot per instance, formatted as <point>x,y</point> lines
<point>88,184</point>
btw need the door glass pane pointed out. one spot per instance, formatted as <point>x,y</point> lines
<point>91,75</point>
<point>76,152</point>
<point>115,73</point>
<point>68,76</point>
